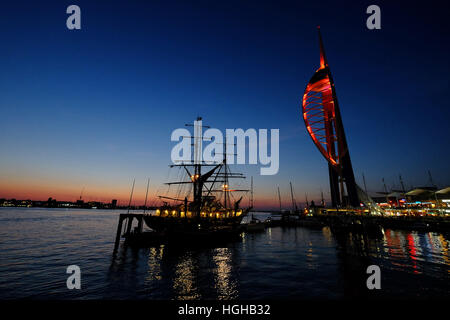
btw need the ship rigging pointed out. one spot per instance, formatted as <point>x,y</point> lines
<point>208,204</point>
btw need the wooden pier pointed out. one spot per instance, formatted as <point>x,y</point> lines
<point>128,219</point>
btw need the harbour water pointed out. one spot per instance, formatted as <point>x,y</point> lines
<point>37,245</point>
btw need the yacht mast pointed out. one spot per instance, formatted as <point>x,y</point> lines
<point>279,197</point>
<point>146,194</point>
<point>292,198</point>
<point>251,199</point>
<point>131,196</point>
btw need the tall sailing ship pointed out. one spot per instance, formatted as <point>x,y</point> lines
<point>209,210</point>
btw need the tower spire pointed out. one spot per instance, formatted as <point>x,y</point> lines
<point>323,58</point>
<point>327,131</point>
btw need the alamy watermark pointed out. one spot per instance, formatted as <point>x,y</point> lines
<point>73,21</point>
<point>374,20</point>
<point>233,150</point>
<point>74,280</point>
<point>374,280</point>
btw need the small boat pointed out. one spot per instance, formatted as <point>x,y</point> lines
<point>273,221</point>
<point>255,225</point>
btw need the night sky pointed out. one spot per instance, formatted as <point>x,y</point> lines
<point>95,107</point>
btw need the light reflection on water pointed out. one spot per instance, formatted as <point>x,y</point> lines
<point>36,246</point>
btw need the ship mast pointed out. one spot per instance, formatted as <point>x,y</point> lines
<point>306,199</point>
<point>199,180</point>
<point>146,195</point>
<point>131,196</point>
<point>198,137</point>
<point>292,198</point>
<point>251,199</point>
<point>225,185</point>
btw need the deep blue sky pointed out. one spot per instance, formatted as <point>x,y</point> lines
<point>95,108</point>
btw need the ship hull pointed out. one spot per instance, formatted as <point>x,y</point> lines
<point>184,231</point>
<point>175,225</point>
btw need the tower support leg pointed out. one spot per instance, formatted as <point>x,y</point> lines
<point>334,187</point>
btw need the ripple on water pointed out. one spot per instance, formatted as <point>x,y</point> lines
<point>37,245</point>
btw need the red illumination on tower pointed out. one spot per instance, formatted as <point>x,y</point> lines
<point>324,124</point>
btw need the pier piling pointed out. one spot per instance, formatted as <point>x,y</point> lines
<point>128,218</point>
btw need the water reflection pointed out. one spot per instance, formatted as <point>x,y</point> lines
<point>225,280</point>
<point>417,250</point>
<point>298,259</point>
<point>353,258</point>
<point>185,283</point>
<point>402,256</point>
<point>180,274</point>
<point>37,245</point>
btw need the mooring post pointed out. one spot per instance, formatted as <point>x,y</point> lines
<point>130,222</point>
<point>140,223</point>
<point>119,230</point>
